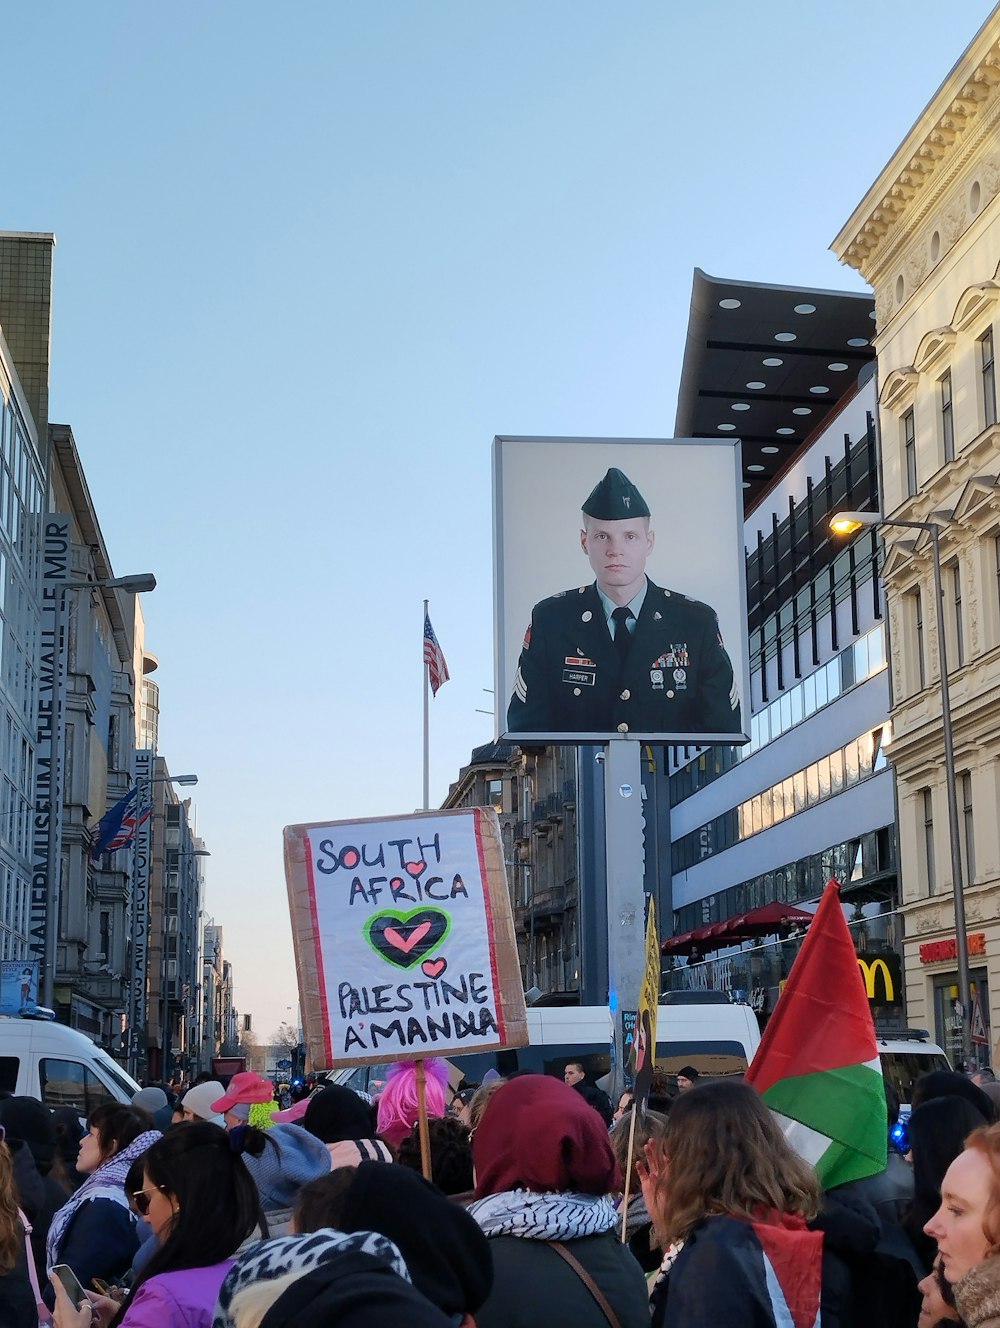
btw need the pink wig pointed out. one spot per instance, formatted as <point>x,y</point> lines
<point>397,1107</point>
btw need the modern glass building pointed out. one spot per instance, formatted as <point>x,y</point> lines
<point>811,795</point>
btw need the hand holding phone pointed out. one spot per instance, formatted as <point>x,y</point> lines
<point>70,1283</point>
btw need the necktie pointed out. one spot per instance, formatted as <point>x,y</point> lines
<point>623,637</point>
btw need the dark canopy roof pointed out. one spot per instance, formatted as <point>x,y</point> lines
<point>734,328</point>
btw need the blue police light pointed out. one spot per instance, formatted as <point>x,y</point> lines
<point>899,1137</point>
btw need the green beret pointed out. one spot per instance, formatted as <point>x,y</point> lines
<point>615,498</point>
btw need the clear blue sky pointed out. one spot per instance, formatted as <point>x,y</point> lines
<point>312,257</point>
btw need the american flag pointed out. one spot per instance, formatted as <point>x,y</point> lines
<point>437,669</point>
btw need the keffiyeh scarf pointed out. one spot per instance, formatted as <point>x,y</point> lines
<point>544,1216</point>
<point>107,1182</point>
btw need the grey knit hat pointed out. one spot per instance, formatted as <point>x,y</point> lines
<point>291,1158</point>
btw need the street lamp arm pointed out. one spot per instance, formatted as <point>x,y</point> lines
<point>849,523</point>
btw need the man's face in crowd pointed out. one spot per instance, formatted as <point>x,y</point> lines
<point>617,551</point>
<point>684,1083</point>
<point>573,1074</point>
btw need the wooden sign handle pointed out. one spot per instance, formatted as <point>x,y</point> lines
<point>425,1138</point>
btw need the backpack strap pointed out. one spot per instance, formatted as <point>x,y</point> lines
<point>587,1281</point>
<point>43,1310</point>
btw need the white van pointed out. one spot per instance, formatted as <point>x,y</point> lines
<point>703,1029</point>
<point>59,1066</point>
<point>906,1054</point>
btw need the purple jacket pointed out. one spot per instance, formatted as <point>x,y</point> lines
<point>184,1299</point>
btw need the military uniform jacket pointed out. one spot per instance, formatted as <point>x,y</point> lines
<point>677,678</point>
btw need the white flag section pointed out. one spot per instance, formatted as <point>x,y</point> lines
<point>404,938</point>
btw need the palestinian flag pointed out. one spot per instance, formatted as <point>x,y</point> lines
<point>817,1066</point>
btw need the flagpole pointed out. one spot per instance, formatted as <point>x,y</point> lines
<point>427,723</point>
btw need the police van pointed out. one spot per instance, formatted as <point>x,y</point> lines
<point>703,1029</point>
<point>59,1066</point>
<point>906,1054</point>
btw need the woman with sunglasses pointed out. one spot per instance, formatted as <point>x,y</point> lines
<point>201,1202</point>
<point>94,1231</point>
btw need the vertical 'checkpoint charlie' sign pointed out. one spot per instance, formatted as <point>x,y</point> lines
<point>404,941</point>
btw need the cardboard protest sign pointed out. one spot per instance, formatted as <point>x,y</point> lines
<point>404,941</point>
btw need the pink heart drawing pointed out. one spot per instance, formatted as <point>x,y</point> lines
<point>433,968</point>
<point>415,868</point>
<point>406,944</point>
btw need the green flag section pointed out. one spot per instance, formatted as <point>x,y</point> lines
<point>817,1066</point>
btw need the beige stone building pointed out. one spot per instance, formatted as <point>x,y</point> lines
<point>927,239</point>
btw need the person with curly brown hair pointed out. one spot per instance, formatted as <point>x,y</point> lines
<point>730,1202</point>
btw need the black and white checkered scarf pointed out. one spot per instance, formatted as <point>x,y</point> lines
<point>544,1216</point>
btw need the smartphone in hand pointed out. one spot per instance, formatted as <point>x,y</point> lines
<point>70,1282</point>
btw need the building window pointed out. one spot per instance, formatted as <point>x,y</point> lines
<point>928,811</point>
<point>910,453</point>
<point>988,371</point>
<point>918,634</point>
<point>968,828</point>
<point>947,419</point>
<point>956,595</point>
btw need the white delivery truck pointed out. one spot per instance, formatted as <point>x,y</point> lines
<point>703,1029</point>
<point>58,1065</point>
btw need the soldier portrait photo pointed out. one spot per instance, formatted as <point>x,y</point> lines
<point>620,653</point>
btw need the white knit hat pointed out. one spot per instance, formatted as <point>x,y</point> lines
<point>200,1098</point>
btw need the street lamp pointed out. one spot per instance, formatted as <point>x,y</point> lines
<point>848,523</point>
<point>140,583</point>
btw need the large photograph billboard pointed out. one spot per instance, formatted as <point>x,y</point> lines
<point>619,590</point>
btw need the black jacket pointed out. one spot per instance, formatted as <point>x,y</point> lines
<point>719,1280</point>
<point>870,1267</point>
<point>677,678</point>
<point>17,1298</point>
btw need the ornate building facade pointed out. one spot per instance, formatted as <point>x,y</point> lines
<point>926,237</point>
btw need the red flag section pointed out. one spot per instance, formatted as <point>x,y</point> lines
<point>822,1020</point>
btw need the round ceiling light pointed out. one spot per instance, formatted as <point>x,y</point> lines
<point>784,336</point>
<point>746,484</point>
<point>770,451</point>
<point>755,387</point>
<point>772,362</point>
<point>805,309</point>
<point>838,366</point>
<point>730,304</point>
<point>857,341</point>
<point>725,427</point>
<point>784,431</point>
<point>754,468</point>
<point>802,410</point>
<point>819,391</point>
<point>740,405</point>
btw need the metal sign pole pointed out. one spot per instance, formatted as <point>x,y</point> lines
<point>625,863</point>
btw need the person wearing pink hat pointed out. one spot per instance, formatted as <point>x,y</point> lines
<point>246,1089</point>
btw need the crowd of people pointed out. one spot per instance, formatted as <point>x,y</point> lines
<point>223,1209</point>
